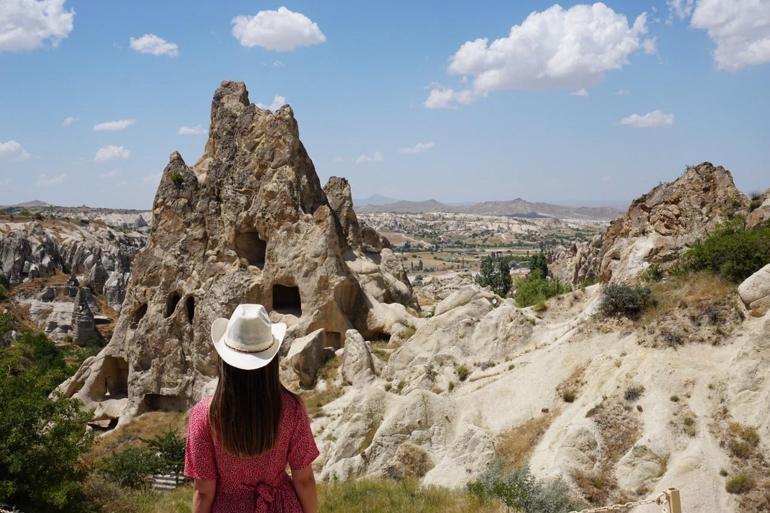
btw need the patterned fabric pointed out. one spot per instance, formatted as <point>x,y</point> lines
<point>259,484</point>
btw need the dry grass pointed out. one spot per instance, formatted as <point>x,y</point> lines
<point>696,290</point>
<point>110,498</point>
<point>515,446</point>
<point>315,399</point>
<point>145,426</point>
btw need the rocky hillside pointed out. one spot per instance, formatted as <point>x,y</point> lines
<point>657,227</point>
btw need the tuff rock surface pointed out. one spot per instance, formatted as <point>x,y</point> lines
<point>248,223</point>
<point>657,227</point>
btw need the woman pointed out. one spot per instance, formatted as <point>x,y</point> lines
<point>240,441</point>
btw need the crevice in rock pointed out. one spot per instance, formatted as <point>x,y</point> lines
<point>286,299</point>
<point>138,314</point>
<point>333,339</point>
<point>189,307</point>
<point>250,246</point>
<point>171,302</point>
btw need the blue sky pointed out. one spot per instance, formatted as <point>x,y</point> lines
<point>507,119</point>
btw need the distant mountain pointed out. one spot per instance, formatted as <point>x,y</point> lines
<point>32,204</point>
<point>514,208</point>
<point>374,199</point>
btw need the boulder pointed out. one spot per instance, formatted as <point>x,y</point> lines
<point>308,354</point>
<point>357,363</point>
<point>755,291</point>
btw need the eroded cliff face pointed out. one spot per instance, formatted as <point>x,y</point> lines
<point>657,228</point>
<point>248,223</point>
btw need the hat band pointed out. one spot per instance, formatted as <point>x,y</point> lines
<point>242,348</point>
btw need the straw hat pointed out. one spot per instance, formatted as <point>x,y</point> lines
<point>247,340</point>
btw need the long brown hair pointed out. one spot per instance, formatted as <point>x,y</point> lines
<point>246,409</point>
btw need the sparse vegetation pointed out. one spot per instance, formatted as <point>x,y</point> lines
<point>315,399</point>
<point>535,290</point>
<point>619,300</point>
<point>515,445</point>
<point>3,292</point>
<point>739,484</point>
<point>462,372</point>
<point>520,491</point>
<point>177,177</point>
<point>732,251</point>
<point>568,395</point>
<point>633,393</point>
<point>495,273</point>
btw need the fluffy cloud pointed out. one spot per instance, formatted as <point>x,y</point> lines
<point>418,148</point>
<point>739,28</point>
<point>277,103</point>
<point>27,24</point>
<point>191,130</point>
<point>282,30</point>
<point>652,119</point>
<point>374,157</point>
<point>120,124</point>
<point>12,150</point>
<point>69,120</point>
<point>50,181</point>
<point>680,9</point>
<point>447,98</point>
<point>111,152</point>
<point>153,45</point>
<point>556,48</point>
<point>580,92</point>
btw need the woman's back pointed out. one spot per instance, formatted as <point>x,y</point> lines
<point>258,483</point>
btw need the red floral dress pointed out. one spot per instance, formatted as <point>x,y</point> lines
<point>258,484</point>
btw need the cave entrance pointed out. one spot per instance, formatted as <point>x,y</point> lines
<point>333,339</point>
<point>138,315</point>
<point>189,307</point>
<point>286,299</point>
<point>113,380</point>
<point>171,302</point>
<point>248,245</point>
<point>159,402</point>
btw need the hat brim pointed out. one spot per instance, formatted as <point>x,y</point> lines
<point>239,359</point>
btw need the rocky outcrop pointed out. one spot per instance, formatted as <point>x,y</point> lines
<point>249,222</point>
<point>760,210</point>
<point>357,364</point>
<point>308,354</point>
<point>657,228</point>
<point>95,252</point>
<point>83,323</point>
<point>755,291</point>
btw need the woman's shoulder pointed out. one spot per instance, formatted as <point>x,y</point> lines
<point>292,402</point>
<point>199,413</point>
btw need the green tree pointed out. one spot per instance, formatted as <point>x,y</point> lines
<point>41,437</point>
<point>169,450</point>
<point>539,265</point>
<point>495,273</point>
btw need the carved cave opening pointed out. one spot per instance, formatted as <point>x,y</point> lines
<point>333,339</point>
<point>113,379</point>
<point>171,302</point>
<point>286,299</point>
<point>189,308</point>
<point>248,245</point>
<point>138,314</point>
<point>160,402</point>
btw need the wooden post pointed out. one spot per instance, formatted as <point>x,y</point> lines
<point>674,502</point>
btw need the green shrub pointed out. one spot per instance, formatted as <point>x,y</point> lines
<point>41,437</point>
<point>741,483</point>
<point>652,274</point>
<point>130,467</point>
<point>462,372</point>
<point>731,251</point>
<point>568,396</point>
<point>177,177</point>
<point>620,300</point>
<point>169,450</point>
<point>534,290</point>
<point>520,491</point>
<point>3,293</point>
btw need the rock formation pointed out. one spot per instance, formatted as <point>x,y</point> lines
<point>249,222</point>
<point>755,291</point>
<point>657,227</point>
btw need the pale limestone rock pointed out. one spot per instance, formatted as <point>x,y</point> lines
<point>756,287</point>
<point>308,354</point>
<point>357,364</point>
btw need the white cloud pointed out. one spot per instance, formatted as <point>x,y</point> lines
<point>110,174</point>
<point>113,126</point>
<point>622,92</point>
<point>153,45</point>
<point>282,30</point>
<point>111,152</point>
<point>27,24</point>
<point>12,150</point>
<point>650,45</point>
<point>652,119</point>
<point>740,29</point>
<point>418,148</point>
<point>277,103</point>
<point>191,130</point>
<point>50,181</point>
<point>447,98</point>
<point>580,92</point>
<point>556,48</point>
<point>69,120</point>
<point>374,157</point>
<point>681,9</point>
